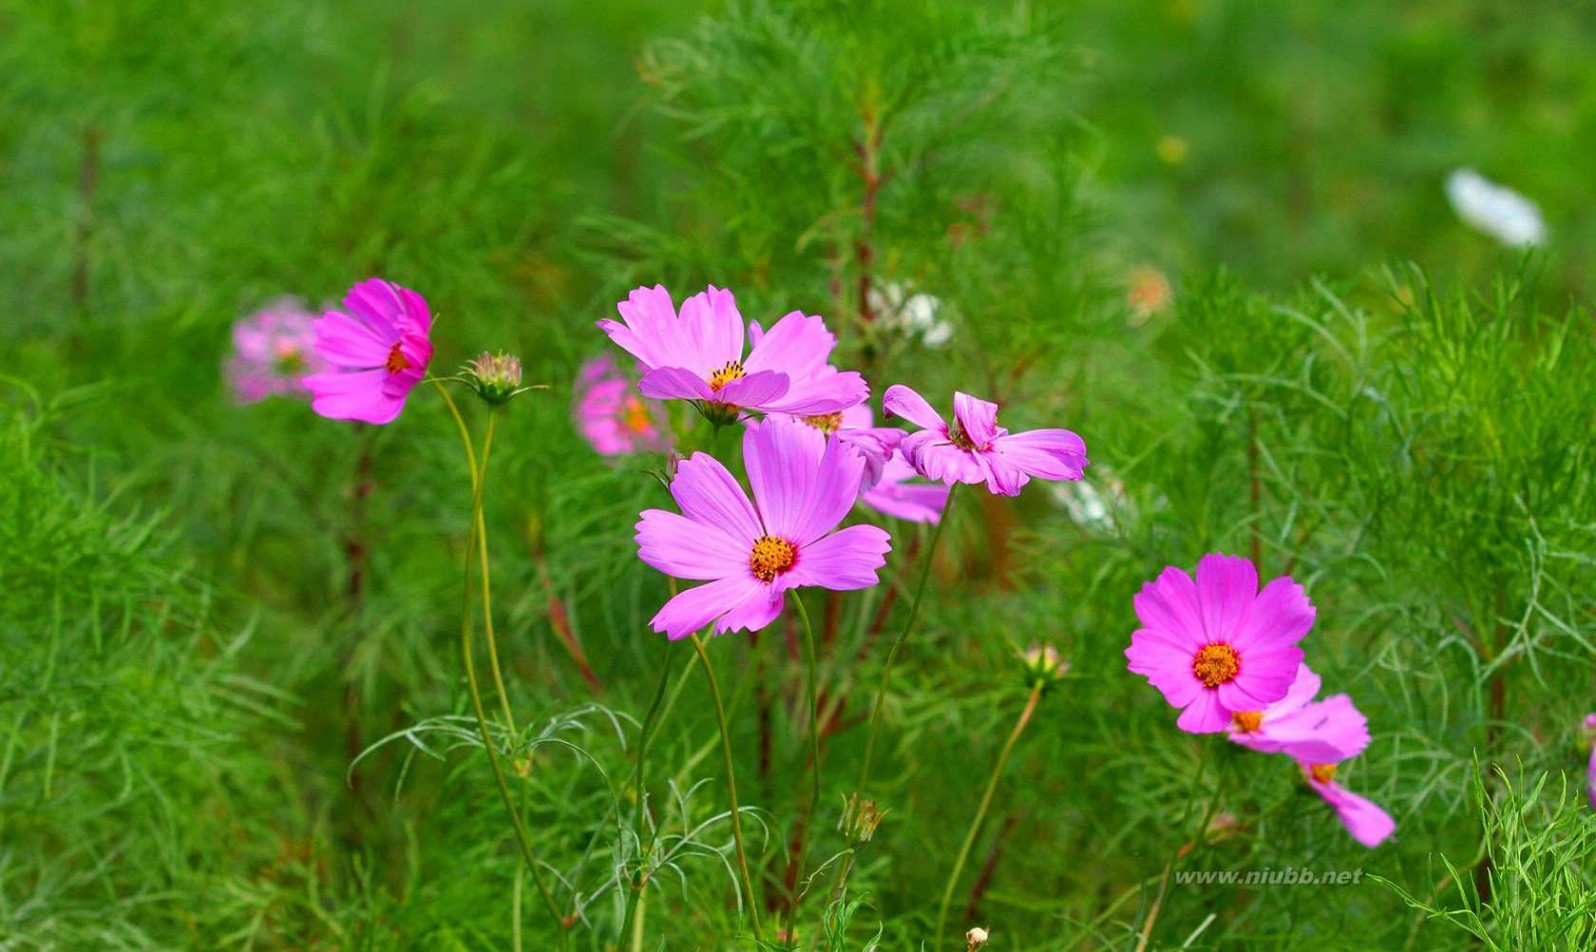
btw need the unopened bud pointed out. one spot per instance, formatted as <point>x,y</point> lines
<point>1043,666</point>
<point>976,938</point>
<point>496,377</point>
<point>860,819</point>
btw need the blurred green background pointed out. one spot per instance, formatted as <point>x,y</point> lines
<point>1181,228</point>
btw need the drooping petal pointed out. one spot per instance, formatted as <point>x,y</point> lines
<point>356,395</point>
<point>684,548</point>
<point>901,401</point>
<point>696,607</point>
<point>757,391</point>
<point>707,494</point>
<point>1226,585</point>
<point>1048,454</point>
<point>674,383</point>
<point>1363,818</point>
<point>844,561</point>
<point>977,417</point>
<point>712,328</point>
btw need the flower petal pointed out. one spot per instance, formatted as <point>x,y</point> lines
<point>844,561</point>
<point>783,460</point>
<point>674,383</point>
<point>760,608</point>
<point>757,391</point>
<point>712,328</point>
<point>354,395</point>
<point>1204,715</point>
<point>901,401</point>
<point>1281,614</point>
<point>1169,604</point>
<point>1226,585</point>
<point>977,417</point>
<point>1048,454</point>
<point>694,608</point>
<point>1364,819</point>
<point>797,345</point>
<point>681,547</point>
<point>709,495</point>
<point>345,342</point>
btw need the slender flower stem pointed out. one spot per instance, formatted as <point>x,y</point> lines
<point>488,742</point>
<point>986,803</point>
<point>731,786</point>
<point>892,653</point>
<point>650,724</point>
<point>1163,882</point>
<point>814,704</point>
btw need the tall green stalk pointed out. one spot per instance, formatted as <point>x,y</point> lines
<point>814,704</point>
<point>731,786</point>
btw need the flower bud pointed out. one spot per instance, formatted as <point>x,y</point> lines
<point>496,377</point>
<point>1043,666</point>
<point>860,819</point>
<point>976,938</point>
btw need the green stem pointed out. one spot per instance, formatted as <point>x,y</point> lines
<point>814,704</point>
<point>986,803</point>
<point>488,742</point>
<point>1163,883</point>
<point>731,785</point>
<point>650,724</point>
<point>892,654</point>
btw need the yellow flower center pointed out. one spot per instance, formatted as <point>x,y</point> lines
<point>827,423</point>
<point>725,375</point>
<point>1323,773</point>
<point>771,557</point>
<point>634,416</point>
<point>1215,665</point>
<point>396,360</point>
<point>1247,721</point>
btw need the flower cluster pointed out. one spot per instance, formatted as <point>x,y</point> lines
<point>1226,654</point>
<point>810,447</point>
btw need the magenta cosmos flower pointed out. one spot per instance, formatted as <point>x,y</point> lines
<point>611,416</point>
<point>1218,645</point>
<point>699,355</point>
<point>273,349</point>
<point>974,449</point>
<point>804,483</point>
<point>1326,731</point>
<point>377,353</point>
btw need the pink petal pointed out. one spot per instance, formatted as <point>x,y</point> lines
<point>797,345</point>
<point>1169,604</point>
<point>1281,615</point>
<point>832,493</point>
<point>696,607</point>
<point>357,395</point>
<point>1166,668</point>
<point>754,612</point>
<point>683,548</point>
<point>901,401</point>
<point>1326,732</point>
<point>345,342</point>
<point>757,391</point>
<point>1226,585</point>
<point>827,391</point>
<point>674,383</point>
<point>1047,454</point>
<point>377,303</point>
<point>708,494</point>
<point>712,328</point>
<point>782,457</point>
<point>1365,820</point>
<point>936,459</point>
<point>1204,715</point>
<point>977,417</point>
<point>1265,677</point>
<point>843,561</point>
<point>417,318</point>
<point>894,495</point>
<point>1002,477</point>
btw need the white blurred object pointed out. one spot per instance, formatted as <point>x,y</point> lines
<point>914,315</point>
<point>1087,507</point>
<point>1495,209</point>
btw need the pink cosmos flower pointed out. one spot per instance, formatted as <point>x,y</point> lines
<point>699,355</point>
<point>272,349</point>
<point>804,483</point>
<point>1327,731</point>
<point>378,352</point>
<point>975,449</point>
<point>613,418</point>
<point>1590,776</point>
<point>1218,645</point>
<point>1364,819</point>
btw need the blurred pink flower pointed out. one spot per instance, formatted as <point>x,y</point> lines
<point>1364,819</point>
<point>1590,776</point>
<point>1218,645</point>
<point>272,350</point>
<point>975,449</point>
<point>611,416</point>
<point>804,483</point>
<point>698,355</point>
<point>377,353</point>
<point>1326,731</point>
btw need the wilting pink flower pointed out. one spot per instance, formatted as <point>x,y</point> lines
<point>975,449</point>
<point>272,350</point>
<point>901,494</point>
<point>1327,731</point>
<point>610,414</point>
<point>804,483</point>
<point>698,355</point>
<point>378,352</point>
<point>1218,645</point>
<point>1364,819</point>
